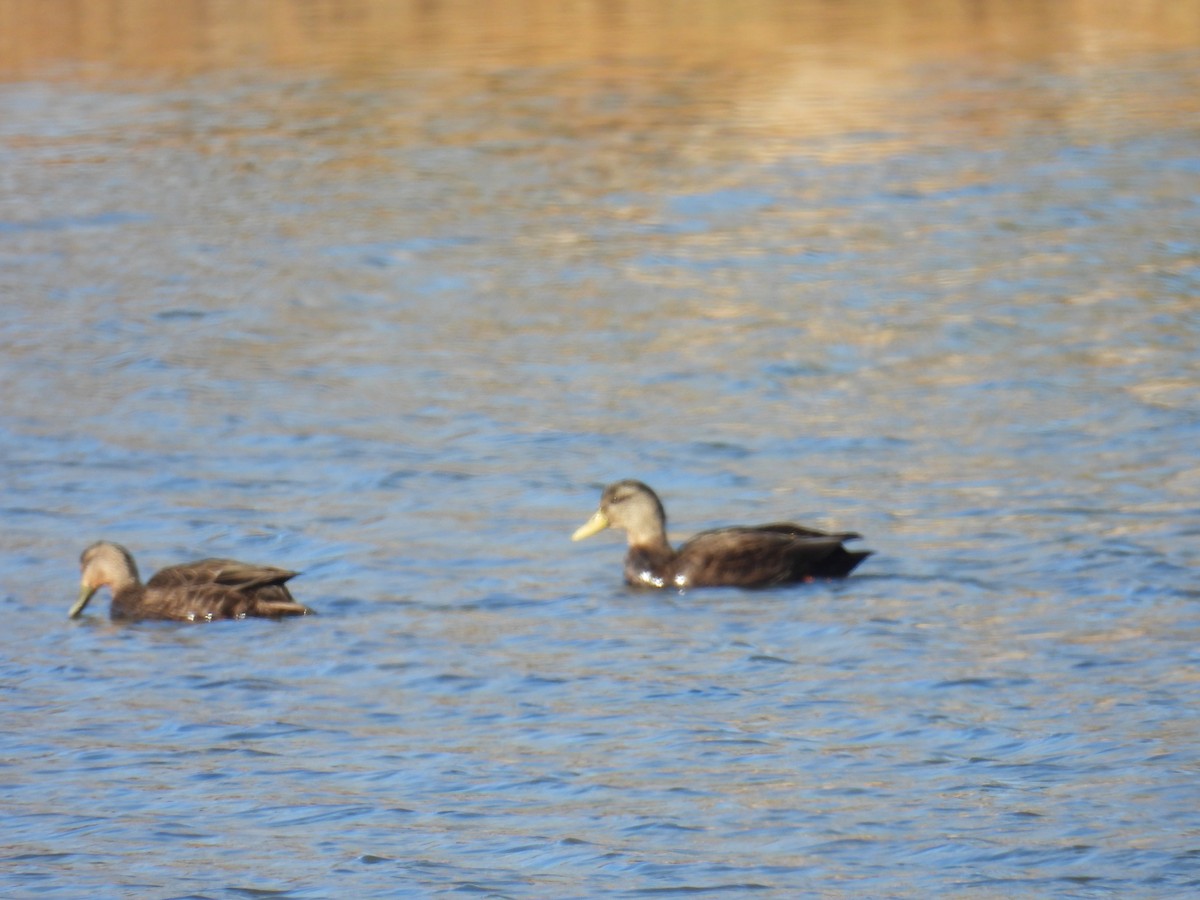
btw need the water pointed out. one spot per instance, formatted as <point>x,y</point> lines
<point>387,294</point>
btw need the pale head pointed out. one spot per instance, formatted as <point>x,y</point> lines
<point>633,507</point>
<point>103,564</point>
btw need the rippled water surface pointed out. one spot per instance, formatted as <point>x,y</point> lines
<point>387,292</point>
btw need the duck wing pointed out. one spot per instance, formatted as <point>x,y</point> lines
<point>792,529</point>
<point>220,589</point>
<point>780,553</point>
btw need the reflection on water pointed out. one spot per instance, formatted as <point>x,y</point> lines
<point>384,292</point>
<point>789,70</point>
<point>371,36</point>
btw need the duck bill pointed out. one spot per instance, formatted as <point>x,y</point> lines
<point>597,523</point>
<point>85,594</point>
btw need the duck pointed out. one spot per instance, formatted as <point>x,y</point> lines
<point>755,556</point>
<point>198,591</point>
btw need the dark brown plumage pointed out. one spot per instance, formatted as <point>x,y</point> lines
<point>748,556</point>
<point>193,592</point>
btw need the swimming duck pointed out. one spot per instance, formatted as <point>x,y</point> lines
<point>193,592</point>
<point>747,556</point>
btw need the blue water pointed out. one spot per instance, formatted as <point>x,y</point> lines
<point>397,332</point>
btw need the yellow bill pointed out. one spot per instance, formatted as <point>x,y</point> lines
<point>597,523</point>
<point>85,594</point>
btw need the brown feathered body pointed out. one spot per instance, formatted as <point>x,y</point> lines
<point>740,556</point>
<point>193,592</point>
